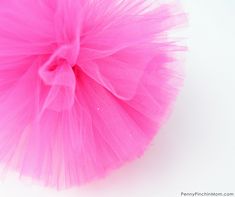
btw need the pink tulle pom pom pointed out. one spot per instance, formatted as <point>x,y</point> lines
<point>84,84</point>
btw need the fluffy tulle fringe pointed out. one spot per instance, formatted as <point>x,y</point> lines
<point>84,84</point>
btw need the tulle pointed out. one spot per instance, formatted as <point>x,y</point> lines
<point>84,84</point>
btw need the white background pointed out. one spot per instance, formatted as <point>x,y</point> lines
<point>195,150</point>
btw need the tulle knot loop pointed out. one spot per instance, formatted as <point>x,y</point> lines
<point>68,52</point>
<point>57,73</point>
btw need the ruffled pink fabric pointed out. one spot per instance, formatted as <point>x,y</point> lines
<point>84,84</point>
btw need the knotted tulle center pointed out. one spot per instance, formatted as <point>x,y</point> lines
<point>57,73</point>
